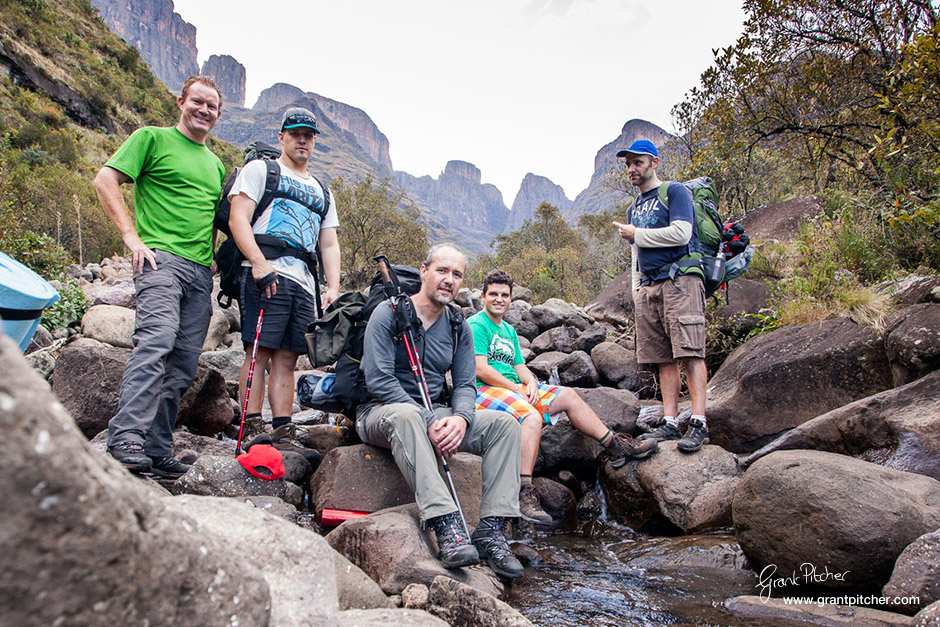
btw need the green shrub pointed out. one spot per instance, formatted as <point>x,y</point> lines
<point>70,307</point>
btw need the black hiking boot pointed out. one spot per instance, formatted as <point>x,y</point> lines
<point>490,539</point>
<point>169,468</point>
<point>456,549</point>
<point>531,509</point>
<point>623,448</point>
<point>662,431</point>
<point>284,439</point>
<point>695,436</point>
<point>131,455</point>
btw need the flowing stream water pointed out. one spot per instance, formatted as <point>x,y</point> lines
<point>608,575</point>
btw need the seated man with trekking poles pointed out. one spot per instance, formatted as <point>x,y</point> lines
<point>668,292</point>
<point>279,292</point>
<point>504,383</point>
<point>410,345</point>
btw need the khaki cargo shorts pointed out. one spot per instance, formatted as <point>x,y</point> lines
<point>670,320</point>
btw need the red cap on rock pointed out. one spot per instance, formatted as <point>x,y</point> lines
<point>263,461</point>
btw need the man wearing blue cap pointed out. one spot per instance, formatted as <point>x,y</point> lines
<point>668,294</point>
<point>302,215</point>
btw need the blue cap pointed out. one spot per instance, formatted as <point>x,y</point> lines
<point>640,147</point>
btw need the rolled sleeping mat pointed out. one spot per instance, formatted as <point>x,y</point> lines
<point>23,296</point>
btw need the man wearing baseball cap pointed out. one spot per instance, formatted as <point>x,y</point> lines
<point>302,215</point>
<point>668,295</point>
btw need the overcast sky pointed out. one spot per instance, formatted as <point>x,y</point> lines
<point>512,86</point>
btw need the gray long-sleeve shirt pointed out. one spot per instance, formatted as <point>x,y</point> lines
<point>388,373</point>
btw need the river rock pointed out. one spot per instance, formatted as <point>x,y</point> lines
<point>84,541</point>
<point>927,617</point>
<point>325,438</point>
<point>42,338</point>
<point>564,447</point>
<point>615,302</point>
<point>297,563</point>
<point>912,289</point>
<point>120,293</point>
<point>846,517</point>
<point>392,549</point>
<point>556,339</point>
<point>365,478</point>
<point>898,428</point>
<point>224,476</point>
<point>462,299</point>
<point>415,596</point>
<point>219,326</point>
<point>745,296</point>
<point>356,591</point>
<point>693,492</point>
<point>773,611</point>
<point>679,555</point>
<point>109,324</point>
<point>228,363</point>
<point>87,381</point>
<point>784,378</point>
<point>556,500</point>
<point>42,362</point>
<point>297,468</point>
<point>912,340</point>
<point>521,294</point>
<point>203,445</point>
<point>590,338</point>
<point>617,366</point>
<point>463,606</point>
<point>206,407</point>
<point>385,617</point>
<point>271,505</point>
<point>574,370</point>
<point>917,573</point>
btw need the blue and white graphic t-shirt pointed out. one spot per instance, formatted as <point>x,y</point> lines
<point>287,216</point>
<point>650,213</point>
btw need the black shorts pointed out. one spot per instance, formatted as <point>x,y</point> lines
<point>286,316</point>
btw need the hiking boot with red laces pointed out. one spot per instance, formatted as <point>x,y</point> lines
<point>131,455</point>
<point>456,549</point>
<point>531,509</point>
<point>695,436</point>
<point>490,539</point>
<point>662,431</point>
<point>284,439</point>
<point>623,448</point>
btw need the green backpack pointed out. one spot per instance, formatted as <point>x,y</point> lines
<point>707,221</point>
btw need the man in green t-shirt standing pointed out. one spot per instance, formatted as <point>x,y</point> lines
<point>504,383</point>
<point>177,183</point>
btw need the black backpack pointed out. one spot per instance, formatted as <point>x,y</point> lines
<point>228,258</point>
<point>347,317</point>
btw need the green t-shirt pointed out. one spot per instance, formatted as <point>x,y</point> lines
<point>499,343</point>
<point>177,184</point>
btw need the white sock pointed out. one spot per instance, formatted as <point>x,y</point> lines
<point>702,418</point>
<point>671,421</point>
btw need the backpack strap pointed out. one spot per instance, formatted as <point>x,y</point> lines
<point>663,193</point>
<point>271,181</point>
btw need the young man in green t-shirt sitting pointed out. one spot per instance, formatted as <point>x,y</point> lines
<point>504,383</point>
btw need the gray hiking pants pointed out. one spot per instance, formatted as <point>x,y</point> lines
<point>173,310</point>
<point>494,434</point>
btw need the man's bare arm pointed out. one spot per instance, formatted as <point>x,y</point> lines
<point>108,187</point>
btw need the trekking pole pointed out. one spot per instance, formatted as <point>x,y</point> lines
<point>251,372</point>
<point>416,368</point>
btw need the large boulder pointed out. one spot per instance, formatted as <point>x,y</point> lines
<point>206,407</point>
<point>767,611</point>
<point>912,289</point>
<point>392,549</point>
<point>110,324</point>
<point>219,326</point>
<point>365,478</point>
<point>355,589</point>
<point>847,519</point>
<point>575,369</point>
<point>121,293</point>
<point>782,379</point>
<point>928,617</point>
<point>228,363</point>
<point>912,340</point>
<point>590,338</point>
<point>87,381</point>
<point>224,476</point>
<point>555,339</point>
<point>297,564</point>
<point>565,448</point>
<point>693,492</point>
<point>617,366</point>
<point>898,428</point>
<point>325,438</point>
<point>84,542</point>
<point>463,606</point>
<point>399,617</point>
<point>916,574</point>
<point>781,221</point>
<point>615,302</point>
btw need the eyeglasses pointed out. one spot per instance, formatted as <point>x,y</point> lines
<point>299,119</point>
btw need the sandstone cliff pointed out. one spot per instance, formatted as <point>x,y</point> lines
<point>599,194</point>
<point>472,212</point>
<point>229,75</point>
<point>165,41</point>
<point>533,192</point>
